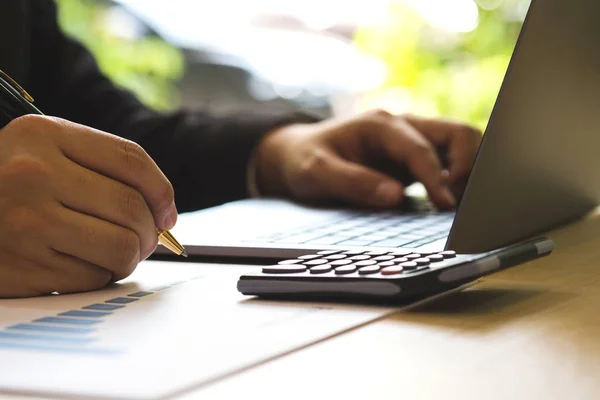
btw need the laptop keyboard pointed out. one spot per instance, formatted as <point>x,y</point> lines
<point>373,230</point>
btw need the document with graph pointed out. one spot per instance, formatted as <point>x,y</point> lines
<point>167,329</point>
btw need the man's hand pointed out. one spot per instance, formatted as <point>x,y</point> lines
<point>367,160</point>
<point>78,207</point>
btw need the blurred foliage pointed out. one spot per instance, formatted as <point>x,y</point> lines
<point>430,71</point>
<point>441,73</point>
<point>146,65</point>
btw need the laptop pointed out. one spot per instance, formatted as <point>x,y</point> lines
<point>537,167</point>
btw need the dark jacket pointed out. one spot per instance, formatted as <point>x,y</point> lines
<point>205,157</point>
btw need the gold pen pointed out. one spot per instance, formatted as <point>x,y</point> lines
<point>168,240</point>
<point>18,102</point>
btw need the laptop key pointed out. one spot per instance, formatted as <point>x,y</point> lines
<point>327,240</point>
<point>355,243</point>
<point>372,238</point>
<point>411,236</point>
<point>301,238</point>
<point>390,243</point>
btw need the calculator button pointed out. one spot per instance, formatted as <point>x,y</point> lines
<point>284,269</point>
<point>365,263</point>
<point>436,258</point>
<point>336,257</point>
<point>386,264</point>
<point>409,265</point>
<point>315,262</point>
<point>360,258</point>
<point>413,256</point>
<point>346,269</point>
<point>395,270</point>
<point>427,253</point>
<point>384,258</point>
<point>371,269</point>
<point>288,262</point>
<point>338,263</point>
<point>309,257</point>
<point>377,253</point>
<point>400,253</point>
<point>448,254</point>
<point>328,252</point>
<point>422,261</point>
<point>353,252</point>
<point>400,260</point>
<point>321,269</point>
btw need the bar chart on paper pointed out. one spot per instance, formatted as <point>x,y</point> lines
<point>167,328</point>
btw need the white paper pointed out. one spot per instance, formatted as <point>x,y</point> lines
<point>174,340</point>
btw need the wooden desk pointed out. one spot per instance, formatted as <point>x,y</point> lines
<point>532,332</point>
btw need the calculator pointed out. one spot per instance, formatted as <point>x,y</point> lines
<point>397,274</point>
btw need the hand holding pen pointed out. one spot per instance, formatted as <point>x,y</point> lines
<point>79,208</point>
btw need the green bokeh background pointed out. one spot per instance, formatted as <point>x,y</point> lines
<point>455,75</point>
<point>147,66</point>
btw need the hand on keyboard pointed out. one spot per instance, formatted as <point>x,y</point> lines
<point>357,161</point>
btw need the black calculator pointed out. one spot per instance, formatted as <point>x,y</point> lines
<point>398,274</point>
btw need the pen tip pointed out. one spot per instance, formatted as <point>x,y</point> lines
<point>184,253</point>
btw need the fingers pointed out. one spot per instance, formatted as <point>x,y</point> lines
<point>96,195</point>
<point>77,275</point>
<point>122,160</point>
<point>71,275</point>
<point>49,272</point>
<point>404,144</point>
<point>335,178</point>
<point>97,242</point>
<point>462,140</point>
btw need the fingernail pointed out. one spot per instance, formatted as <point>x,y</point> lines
<point>171,218</point>
<point>445,177</point>
<point>449,198</point>
<point>387,194</point>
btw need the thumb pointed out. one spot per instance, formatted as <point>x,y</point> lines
<point>359,185</point>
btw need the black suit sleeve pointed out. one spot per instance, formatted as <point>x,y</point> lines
<point>205,157</point>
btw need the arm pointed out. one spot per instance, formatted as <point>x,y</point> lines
<point>204,157</point>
